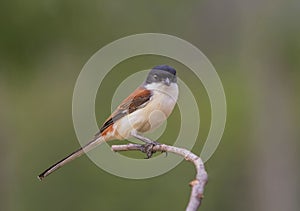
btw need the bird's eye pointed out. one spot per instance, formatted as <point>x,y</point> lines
<point>155,77</point>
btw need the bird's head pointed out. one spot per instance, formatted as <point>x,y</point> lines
<point>162,74</point>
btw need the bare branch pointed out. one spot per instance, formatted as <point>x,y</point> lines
<point>197,184</point>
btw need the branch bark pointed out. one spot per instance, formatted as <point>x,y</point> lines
<point>197,184</point>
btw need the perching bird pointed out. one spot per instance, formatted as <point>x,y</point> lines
<point>144,109</point>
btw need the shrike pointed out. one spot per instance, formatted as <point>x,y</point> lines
<point>136,114</point>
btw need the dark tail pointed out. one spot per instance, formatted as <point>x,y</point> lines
<point>92,144</point>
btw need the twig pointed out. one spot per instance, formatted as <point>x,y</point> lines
<point>197,184</point>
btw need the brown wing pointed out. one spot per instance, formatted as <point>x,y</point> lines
<point>139,98</point>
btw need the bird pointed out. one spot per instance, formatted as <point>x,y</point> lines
<point>145,109</point>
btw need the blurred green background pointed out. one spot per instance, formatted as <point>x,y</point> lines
<point>255,48</point>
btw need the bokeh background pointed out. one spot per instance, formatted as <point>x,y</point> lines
<point>255,48</point>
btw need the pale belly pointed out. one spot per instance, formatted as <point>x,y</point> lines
<point>151,116</point>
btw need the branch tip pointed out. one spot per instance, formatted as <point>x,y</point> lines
<point>198,184</point>
<point>194,182</point>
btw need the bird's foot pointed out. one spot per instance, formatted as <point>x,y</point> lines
<point>148,149</point>
<point>148,146</point>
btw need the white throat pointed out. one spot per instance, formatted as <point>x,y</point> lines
<point>161,88</point>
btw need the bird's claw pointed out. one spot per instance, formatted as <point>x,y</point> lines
<point>148,149</point>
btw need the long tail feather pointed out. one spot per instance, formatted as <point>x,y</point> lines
<point>90,145</point>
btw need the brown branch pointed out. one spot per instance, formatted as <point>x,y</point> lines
<point>197,184</point>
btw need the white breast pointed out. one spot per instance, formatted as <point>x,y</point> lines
<point>159,108</point>
<point>164,97</point>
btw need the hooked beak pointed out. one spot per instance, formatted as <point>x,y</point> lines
<point>167,82</point>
